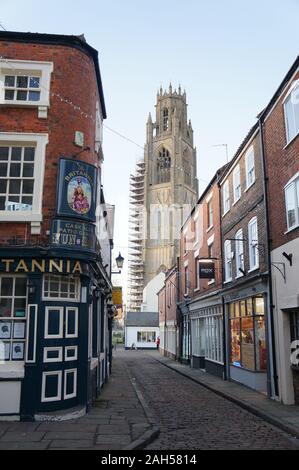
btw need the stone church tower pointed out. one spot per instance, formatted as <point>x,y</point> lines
<point>166,186</point>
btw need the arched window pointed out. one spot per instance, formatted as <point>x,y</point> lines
<point>163,166</point>
<point>165,119</point>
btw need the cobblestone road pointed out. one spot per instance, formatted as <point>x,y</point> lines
<point>192,417</point>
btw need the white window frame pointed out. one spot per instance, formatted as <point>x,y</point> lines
<point>74,394</point>
<point>50,359</point>
<point>39,141</point>
<point>225,197</point>
<point>237,183</point>
<point>253,244</point>
<point>59,279</point>
<point>60,335</point>
<point>290,96</point>
<point>28,67</point>
<point>228,260</point>
<point>239,244</point>
<point>292,184</point>
<point>45,399</point>
<point>67,335</point>
<point>250,154</point>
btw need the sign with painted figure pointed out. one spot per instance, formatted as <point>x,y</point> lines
<point>75,235</point>
<point>207,270</point>
<point>77,189</point>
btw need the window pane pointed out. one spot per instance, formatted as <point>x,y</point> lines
<point>22,95</point>
<point>259,306</point>
<point>247,337</point>
<point>27,201</point>
<point>3,169</point>
<point>34,95</point>
<point>16,153</point>
<point>260,338</point>
<point>15,169</point>
<point>28,187</point>
<point>9,80</point>
<point>28,170</point>
<point>6,286</point>
<point>291,129</point>
<point>20,287</point>
<point>20,308</point>
<point>14,186</point>
<point>4,153</point>
<point>3,184</point>
<point>5,307</point>
<point>29,154</point>
<point>2,203</point>
<point>9,94</point>
<point>22,82</point>
<point>291,205</point>
<point>235,343</point>
<point>34,82</point>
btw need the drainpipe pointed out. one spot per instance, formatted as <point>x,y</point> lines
<point>224,342</point>
<point>271,306</point>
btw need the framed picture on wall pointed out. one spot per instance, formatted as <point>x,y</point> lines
<point>17,351</point>
<point>5,330</point>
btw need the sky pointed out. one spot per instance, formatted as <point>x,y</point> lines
<point>229,55</point>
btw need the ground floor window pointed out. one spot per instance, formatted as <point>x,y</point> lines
<point>61,288</point>
<point>186,339</point>
<point>207,334</point>
<point>295,326</point>
<point>248,334</point>
<point>146,336</point>
<point>13,305</point>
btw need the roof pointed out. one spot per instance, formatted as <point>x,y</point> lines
<point>77,42</point>
<point>142,319</point>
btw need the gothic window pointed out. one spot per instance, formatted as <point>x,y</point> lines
<point>187,168</point>
<point>165,120</point>
<point>163,166</point>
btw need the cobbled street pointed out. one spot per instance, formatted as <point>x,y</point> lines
<point>192,417</point>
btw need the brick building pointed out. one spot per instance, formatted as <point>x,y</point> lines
<point>168,322</point>
<point>245,263</point>
<point>55,249</point>
<point>280,128</point>
<point>200,302</point>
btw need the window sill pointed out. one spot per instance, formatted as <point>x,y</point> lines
<point>291,229</point>
<point>237,200</point>
<point>224,214</point>
<point>253,269</point>
<point>228,281</point>
<point>12,370</point>
<point>211,282</point>
<point>291,141</point>
<point>210,228</point>
<point>197,289</point>
<point>19,216</point>
<point>239,276</point>
<point>248,187</point>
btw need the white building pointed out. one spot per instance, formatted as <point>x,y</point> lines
<point>141,330</point>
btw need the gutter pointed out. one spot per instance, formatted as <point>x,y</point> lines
<point>271,305</point>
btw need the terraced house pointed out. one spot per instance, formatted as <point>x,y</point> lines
<point>55,244</point>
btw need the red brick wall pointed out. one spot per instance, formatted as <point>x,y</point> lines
<point>73,78</point>
<point>282,163</point>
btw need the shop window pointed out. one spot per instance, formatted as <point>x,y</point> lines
<point>214,339</point>
<point>248,335</point>
<point>146,336</point>
<point>61,288</point>
<point>13,306</point>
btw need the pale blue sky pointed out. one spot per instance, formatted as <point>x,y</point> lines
<point>229,55</point>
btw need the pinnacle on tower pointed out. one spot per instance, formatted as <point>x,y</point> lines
<point>170,88</point>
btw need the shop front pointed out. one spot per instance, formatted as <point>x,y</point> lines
<point>246,319</point>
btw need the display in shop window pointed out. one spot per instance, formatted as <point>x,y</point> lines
<point>17,351</point>
<point>77,189</point>
<point>5,330</point>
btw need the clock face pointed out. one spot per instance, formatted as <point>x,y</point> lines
<point>79,139</point>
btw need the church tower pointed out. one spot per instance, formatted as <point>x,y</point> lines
<point>169,190</point>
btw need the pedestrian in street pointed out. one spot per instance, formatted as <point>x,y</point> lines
<point>158,342</point>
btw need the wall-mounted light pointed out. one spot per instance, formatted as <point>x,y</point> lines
<point>289,257</point>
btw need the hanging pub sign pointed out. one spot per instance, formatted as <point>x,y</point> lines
<point>207,270</point>
<point>77,189</point>
<point>73,234</point>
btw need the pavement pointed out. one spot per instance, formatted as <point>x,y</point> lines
<point>120,419</point>
<point>285,417</point>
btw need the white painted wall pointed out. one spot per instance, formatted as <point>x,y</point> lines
<point>10,394</point>
<point>131,336</point>
<point>285,296</point>
<point>150,297</point>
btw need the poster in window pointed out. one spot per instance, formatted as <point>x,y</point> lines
<point>77,189</point>
<point>19,330</point>
<point>5,330</point>
<point>18,351</point>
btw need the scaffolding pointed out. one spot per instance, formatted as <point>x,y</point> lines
<point>136,239</point>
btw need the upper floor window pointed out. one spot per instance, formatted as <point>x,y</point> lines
<point>187,280</point>
<point>22,159</point>
<point>237,183</point>
<point>26,83</point>
<point>225,197</point>
<point>239,253</point>
<point>291,111</point>
<point>197,279</point>
<point>292,202</point>
<point>250,168</point>
<point>210,213</point>
<point>163,166</point>
<point>165,119</point>
<point>228,260</point>
<point>253,244</point>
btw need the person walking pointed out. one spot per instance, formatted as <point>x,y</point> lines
<point>158,342</point>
